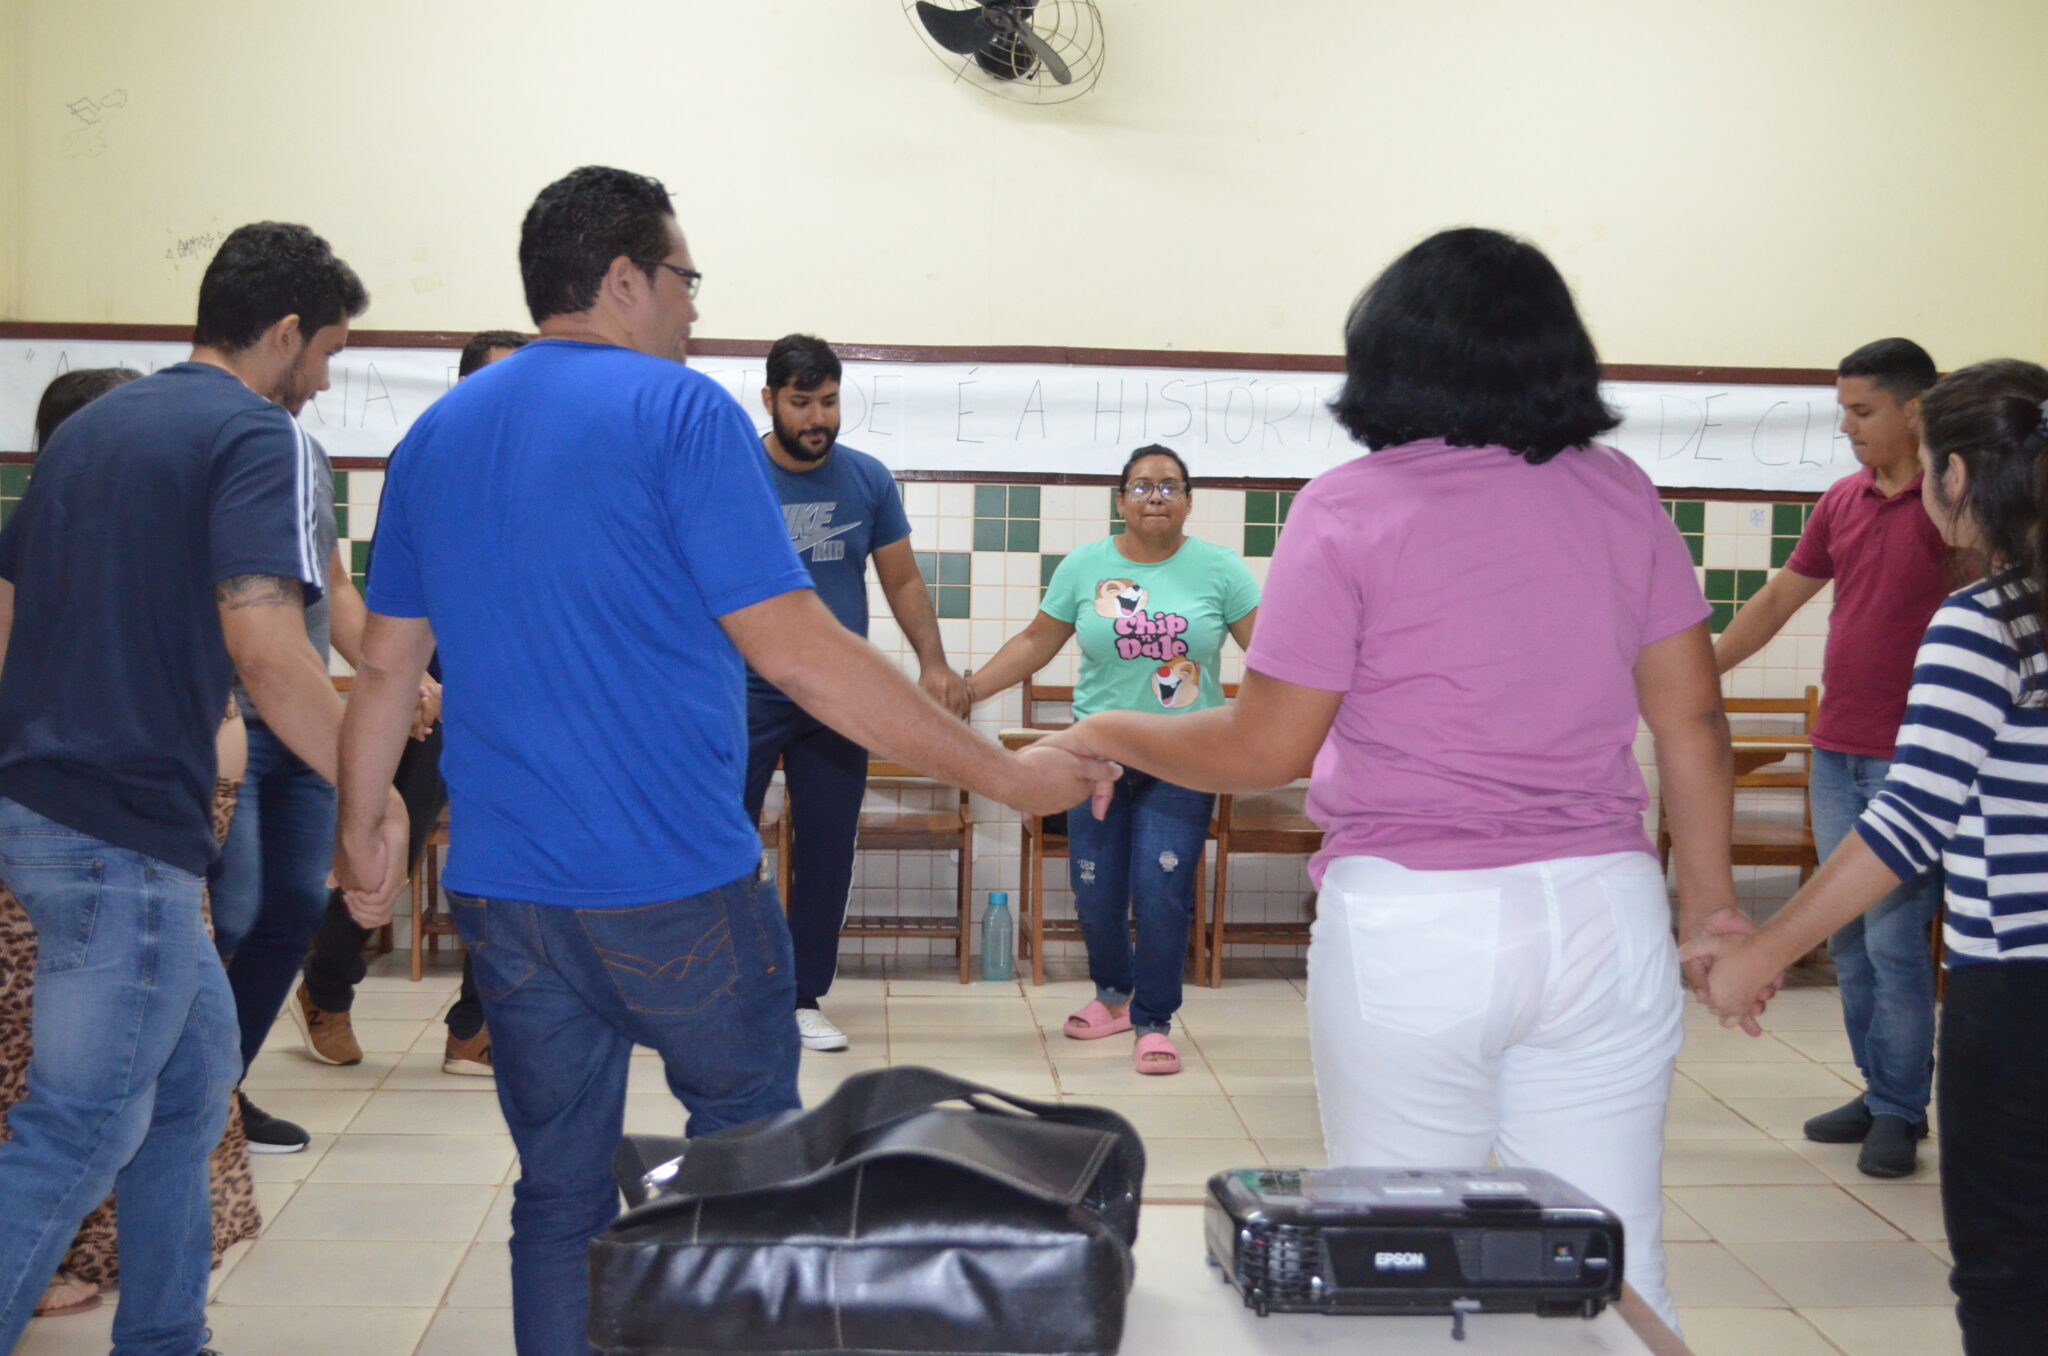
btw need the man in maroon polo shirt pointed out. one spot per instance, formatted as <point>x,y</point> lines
<point>1891,570</point>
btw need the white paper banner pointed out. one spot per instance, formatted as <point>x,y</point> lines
<point>1014,418</point>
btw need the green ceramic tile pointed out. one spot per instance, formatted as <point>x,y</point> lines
<point>1046,567</point>
<point>1747,582</point>
<point>1787,520</point>
<point>1667,506</point>
<point>927,565</point>
<point>989,534</point>
<point>1781,550</point>
<point>1023,501</point>
<point>952,600</point>
<point>989,501</point>
<point>1259,539</point>
<point>1261,506</point>
<point>1286,503</point>
<point>13,481</point>
<point>359,557</point>
<point>1116,529</point>
<point>1723,614</point>
<point>955,567</point>
<point>1697,545</point>
<point>1023,534</point>
<point>1690,515</point>
<point>7,508</point>
<point>1720,586</point>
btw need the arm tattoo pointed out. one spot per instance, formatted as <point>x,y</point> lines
<point>259,590</point>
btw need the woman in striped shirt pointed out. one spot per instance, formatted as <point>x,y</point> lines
<point>1968,789</point>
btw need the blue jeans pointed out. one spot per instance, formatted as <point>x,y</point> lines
<point>128,1085</point>
<point>1139,859</point>
<point>270,881</point>
<point>705,981</point>
<point>827,775</point>
<point>1881,958</point>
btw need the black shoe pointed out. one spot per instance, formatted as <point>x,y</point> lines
<point>1888,1149</point>
<point>270,1134</point>
<point>1846,1124</point>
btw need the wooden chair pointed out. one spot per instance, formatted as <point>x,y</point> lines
<point>1043,842</point>
<point>1269,822</point>
<point>431,922</point>
<point>896,830</point>
<point>1758,759</point>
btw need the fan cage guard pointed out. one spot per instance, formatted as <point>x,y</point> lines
<point>1072,28</point>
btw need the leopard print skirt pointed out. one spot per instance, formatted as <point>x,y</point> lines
<point>93,1256</point>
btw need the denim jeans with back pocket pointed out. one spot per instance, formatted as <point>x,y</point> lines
<point>128,1083</point>
<point>706,982</point>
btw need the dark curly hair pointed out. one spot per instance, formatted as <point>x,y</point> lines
<point>480,345</point>
<point>1472,337</point>
<point>266,271</point>
<point>578,225</point>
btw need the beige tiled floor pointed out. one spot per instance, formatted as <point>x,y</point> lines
<point>387,1236</point>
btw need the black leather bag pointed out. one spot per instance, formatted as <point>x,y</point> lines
<point>877,1222</point>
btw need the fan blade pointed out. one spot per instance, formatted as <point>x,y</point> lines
<point>958,31</point>
<point>1053,65</point>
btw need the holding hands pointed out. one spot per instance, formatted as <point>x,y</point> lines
<point>1732,971</point>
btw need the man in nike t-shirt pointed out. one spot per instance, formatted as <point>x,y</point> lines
<point>842,507</point>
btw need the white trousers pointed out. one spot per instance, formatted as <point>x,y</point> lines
<point>1529,1012</point>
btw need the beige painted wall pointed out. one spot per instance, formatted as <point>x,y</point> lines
<point>1737,182</point>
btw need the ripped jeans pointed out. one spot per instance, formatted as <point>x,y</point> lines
<point>1139,860</point>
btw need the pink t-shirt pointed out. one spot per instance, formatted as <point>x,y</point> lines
<point>1482,618</point>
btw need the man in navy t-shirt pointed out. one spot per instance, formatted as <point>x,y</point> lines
<point>842,507</point>
<point>585,531</point>
<point>166,542</point>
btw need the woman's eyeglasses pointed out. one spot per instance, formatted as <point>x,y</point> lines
<point>1166,490</point>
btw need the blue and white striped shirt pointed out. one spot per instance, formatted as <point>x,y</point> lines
<point>1969,782</point>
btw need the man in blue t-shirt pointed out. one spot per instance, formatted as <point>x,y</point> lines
<point>842,507</point>
<point>167,542</point>
<point>584,533</point>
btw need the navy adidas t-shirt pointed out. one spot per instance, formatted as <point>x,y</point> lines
<point>573,520</point>
<point>838,514</point>
<point>116,675</point>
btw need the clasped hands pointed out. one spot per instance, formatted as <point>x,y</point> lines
<point>1732,968</point>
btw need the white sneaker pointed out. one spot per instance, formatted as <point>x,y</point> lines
<point>816,1031</point>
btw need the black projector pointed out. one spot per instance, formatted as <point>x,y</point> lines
<point>1412,1241</point>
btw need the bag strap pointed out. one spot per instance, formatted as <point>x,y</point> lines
<point>792,1150</point>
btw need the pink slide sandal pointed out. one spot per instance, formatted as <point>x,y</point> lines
<point>1095,1021</point>
<point>1154,1054</point>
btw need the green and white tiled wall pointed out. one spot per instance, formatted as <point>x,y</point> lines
<point>987,551</point>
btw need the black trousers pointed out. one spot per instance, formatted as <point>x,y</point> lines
<point>335,965</point>
<point>1993,1093</point>
<point>826,775</point>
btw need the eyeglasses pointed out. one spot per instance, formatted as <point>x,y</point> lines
<point>1167,490</point>
<point>692,279</point>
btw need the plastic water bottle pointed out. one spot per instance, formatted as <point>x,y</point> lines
<point>998,938</point>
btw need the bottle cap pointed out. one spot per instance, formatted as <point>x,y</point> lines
<point>999,897</point>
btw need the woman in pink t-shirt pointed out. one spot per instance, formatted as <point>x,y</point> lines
<point>1460,631</point>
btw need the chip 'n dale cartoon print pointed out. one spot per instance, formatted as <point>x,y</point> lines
<point>1177,683</point>
<point>1151,633</point>
<point>1119,598</point>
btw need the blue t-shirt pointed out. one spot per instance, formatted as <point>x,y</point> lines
<point>117,676</point>
<point>838,515</point>
<point>573,520</point>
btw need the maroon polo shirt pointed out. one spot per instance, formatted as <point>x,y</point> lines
<point>1891,571</point>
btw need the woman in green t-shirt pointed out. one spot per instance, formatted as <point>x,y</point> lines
<point>1151,607</point>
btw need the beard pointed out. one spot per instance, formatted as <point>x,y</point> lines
<point>792,439</point>
<point>293,389</point>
